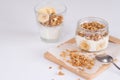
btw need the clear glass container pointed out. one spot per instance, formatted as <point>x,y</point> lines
<point>50,16</point>
<point>92,34</point>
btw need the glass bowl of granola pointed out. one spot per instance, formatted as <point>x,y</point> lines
<point>92,34</point>
<point>50,19</point>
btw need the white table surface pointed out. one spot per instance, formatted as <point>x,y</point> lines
<point>21,49</point>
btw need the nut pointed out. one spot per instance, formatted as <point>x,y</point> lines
<point>60,73</point>
<point>55,20</point>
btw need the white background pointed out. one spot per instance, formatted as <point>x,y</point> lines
<point>21,50</point>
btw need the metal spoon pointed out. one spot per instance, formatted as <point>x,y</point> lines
<point>106,59</point>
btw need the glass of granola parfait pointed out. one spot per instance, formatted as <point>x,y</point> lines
<point>92,34</point>
<point>50,19</point>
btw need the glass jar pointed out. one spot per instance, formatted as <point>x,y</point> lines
<point>92,34</point>
<point>50,19</point>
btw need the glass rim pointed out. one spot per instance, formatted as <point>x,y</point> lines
<point>63,11</point>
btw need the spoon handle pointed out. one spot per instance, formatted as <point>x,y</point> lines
<point>116,65</point>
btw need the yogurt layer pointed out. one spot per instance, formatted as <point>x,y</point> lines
<point>50,33</point>
<point>91,45</point>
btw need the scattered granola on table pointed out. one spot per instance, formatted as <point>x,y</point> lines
<point>60,73</point>
<point>75,58</point>
<point>81,60</point>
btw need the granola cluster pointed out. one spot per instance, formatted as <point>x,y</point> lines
<point>47,16</point>
<point>78,60</point>
<point>81,60</point>
<point>60,73</point>
<point>93,26</point>
<point>92,30</point>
